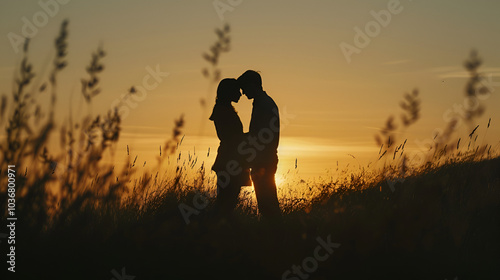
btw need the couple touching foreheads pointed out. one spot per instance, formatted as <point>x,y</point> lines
<point>243,158</point>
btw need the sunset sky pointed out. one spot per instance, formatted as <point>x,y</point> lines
<point>334,103</point>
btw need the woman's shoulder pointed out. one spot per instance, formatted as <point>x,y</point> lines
<point>222,111</point>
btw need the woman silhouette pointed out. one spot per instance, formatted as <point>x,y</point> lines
<point>232,170</point>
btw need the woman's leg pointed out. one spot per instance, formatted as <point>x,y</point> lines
<point>227,197</point>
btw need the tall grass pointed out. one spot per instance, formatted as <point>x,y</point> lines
<point>55,187</point>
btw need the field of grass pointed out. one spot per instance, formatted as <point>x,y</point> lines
<point>440,224</point>
<point>438,220</point>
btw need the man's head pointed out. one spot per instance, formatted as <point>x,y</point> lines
<point>251,83</point>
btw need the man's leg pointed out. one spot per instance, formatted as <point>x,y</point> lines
<point>265,191</point>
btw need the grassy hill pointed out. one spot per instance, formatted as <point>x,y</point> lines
<point>441,224</point>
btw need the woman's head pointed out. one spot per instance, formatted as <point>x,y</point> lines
<point>228,91</point>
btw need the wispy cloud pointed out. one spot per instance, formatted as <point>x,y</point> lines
<point>454,72</point>
<point>320,146</point>
<point>442,69</point>
<point>395,62</point>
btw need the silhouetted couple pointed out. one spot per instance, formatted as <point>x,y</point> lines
<point>244,155</point>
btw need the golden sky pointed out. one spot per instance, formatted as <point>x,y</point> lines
<point>336,102</point>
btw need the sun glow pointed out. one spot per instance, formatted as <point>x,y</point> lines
<point>280,180</point>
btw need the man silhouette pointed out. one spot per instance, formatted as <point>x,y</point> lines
<point>263,138</point>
